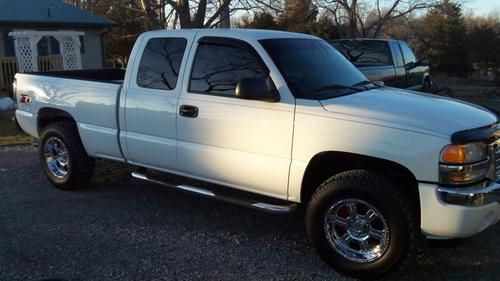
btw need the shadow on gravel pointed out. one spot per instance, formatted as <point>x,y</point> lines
<point>281,239</point>
<point>120,228</point>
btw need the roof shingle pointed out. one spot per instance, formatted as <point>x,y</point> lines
<point>47,13</point>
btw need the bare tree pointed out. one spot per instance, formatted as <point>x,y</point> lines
<point>199,13</point>
<point>365,18</point>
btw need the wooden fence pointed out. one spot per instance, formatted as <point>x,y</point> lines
<point>8,68</point>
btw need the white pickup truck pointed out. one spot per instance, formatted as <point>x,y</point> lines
<point>275,120</point>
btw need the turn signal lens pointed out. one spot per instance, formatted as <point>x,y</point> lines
<point>464,153</point>
<point>453,154</point>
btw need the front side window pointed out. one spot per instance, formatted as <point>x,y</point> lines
<point>397,54</point>
<point>408,54</point>
<point>217,69</point>
<point>160,63</point>
<point>365,52</point>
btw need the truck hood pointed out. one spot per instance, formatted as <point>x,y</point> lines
<point>412,109</point>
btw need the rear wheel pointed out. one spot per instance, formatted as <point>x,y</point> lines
<point>361,224</point>
<point>62,155</point>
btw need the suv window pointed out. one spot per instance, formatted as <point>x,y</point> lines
<point>408,55</point>
<point>217,69</point>
<point>365,53</point>
<point>160,63</point>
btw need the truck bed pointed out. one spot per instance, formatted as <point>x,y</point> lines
<point>378,73</point>
<point>89,96</point>
<point>106,75</point>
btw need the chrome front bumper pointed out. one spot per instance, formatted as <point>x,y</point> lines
<point>470,197</point>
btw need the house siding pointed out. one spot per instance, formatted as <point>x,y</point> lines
<point>2,43</point>
<point>92,57</point>
<point>4,37</point>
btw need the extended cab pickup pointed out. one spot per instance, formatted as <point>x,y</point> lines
<point>274,120</point>
<point>390,61</point>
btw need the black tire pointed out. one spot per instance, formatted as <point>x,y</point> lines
<point>427,86</point>
<point>398,215</point>
<point>80,167</point>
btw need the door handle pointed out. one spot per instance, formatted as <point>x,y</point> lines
<point>190,111</point>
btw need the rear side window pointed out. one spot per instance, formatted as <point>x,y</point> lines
<point>160,63</point>
<point>408,54</point>
<point>217,69</point>
<point>365,53</point>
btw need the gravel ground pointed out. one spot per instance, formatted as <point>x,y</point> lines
<point>122,229</point>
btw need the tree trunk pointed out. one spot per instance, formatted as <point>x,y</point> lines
<point>225,21</point>
<point>199,18</point>
<point>184,13</point>
<point>153,22</point>
<point>353,25</point>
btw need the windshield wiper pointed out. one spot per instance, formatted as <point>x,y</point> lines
<point>317,93</point>
<point>336,87</point>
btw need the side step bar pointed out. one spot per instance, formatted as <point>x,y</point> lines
<point>241,198</point>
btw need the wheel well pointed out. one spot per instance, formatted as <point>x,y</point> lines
<point>327,164</point>
<point>49,115</point>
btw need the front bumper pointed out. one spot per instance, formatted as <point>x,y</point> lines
<point>471,196</point>
<point>458,213</point>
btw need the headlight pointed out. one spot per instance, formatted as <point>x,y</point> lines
<point>461,164</point>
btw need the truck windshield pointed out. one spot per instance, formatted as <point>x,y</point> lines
<point>313,69</point>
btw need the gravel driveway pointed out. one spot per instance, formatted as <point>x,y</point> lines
<point>122,229</point>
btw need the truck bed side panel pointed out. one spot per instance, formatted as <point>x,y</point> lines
<point>379,73</point>
<point>91,104</point>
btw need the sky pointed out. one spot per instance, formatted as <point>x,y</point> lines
<point>482,7</point>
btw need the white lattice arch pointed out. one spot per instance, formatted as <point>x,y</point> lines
<point>25,43</point>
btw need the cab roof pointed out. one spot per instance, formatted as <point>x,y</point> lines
<point>244,34</point>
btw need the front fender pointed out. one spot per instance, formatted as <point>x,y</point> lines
<point>317,130</point>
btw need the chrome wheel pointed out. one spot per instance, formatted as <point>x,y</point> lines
<point>356,230</point>
<point>56,157</point>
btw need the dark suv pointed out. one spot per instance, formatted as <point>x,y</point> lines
<point>390,61</point>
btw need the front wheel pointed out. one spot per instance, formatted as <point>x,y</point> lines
<point>427,86</point>
<point>361,224</point>
<point>63,157</point>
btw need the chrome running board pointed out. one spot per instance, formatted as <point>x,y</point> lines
<point>227,194</point>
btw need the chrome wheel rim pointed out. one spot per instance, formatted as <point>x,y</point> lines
<point>356,230</point>
<point>56,157</point>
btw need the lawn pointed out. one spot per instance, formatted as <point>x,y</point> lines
<point>485,93</point>
<point>9,134</point>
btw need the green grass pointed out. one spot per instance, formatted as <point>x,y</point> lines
<point>9,134</point>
